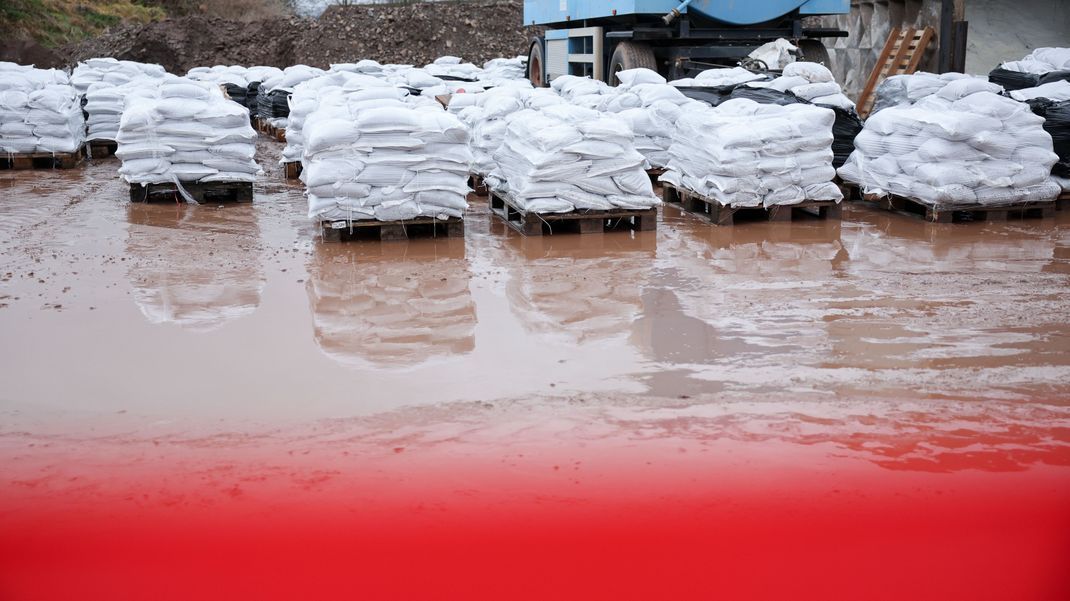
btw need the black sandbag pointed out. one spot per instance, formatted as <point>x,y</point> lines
<point>1057,123</point>
<point>1053,76</point>
<point>765,95</point>
<point>251,97</point>
<point>273,104</point>
<point>1013,80</point>
<point>844,130</point>
<point>237,93</point>
<point>712,96</point>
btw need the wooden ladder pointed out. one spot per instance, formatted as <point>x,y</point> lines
<point>901,55</point>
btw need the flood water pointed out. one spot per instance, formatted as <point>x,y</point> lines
<point>158,350</point>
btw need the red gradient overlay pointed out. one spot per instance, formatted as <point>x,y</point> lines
<point>613,518</point>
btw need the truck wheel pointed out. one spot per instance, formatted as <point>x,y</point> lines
<point>630,55</point>
<point>535,64</point>
<point>813,51</point>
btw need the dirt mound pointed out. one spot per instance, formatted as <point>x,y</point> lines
<point>413,33</point>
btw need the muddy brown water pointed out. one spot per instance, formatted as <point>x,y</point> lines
<point>187,317</point>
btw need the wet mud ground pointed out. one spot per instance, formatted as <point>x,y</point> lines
<point>165,359</point>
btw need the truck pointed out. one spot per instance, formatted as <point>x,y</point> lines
<point>599,38</point>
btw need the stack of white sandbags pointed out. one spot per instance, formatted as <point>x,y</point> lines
<point>964,145</point>
<point>485,114</point>
<point>904,90</point>
<point>583,91</point>
<point>745,154</point>
<point>651,107</point>
<point>718,78</point>
<point>453,67</point>
<point>385,159</point>
<point>111,71</point>
<point>497,71</point>
<point>274,92</point>
<point>812,82</point>
<point>40,111</point>
<point>184,131</point>
<point>308,95</point>
<point>563,158</point>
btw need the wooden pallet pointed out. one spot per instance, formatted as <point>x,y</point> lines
<point>421,227</point>
<point>910,206</point>
<point>292,170</point>
<point>1063,202</point>
<point>654,173</point>
<point>264,126</point>
<point>99,149</point>
<point>478,185</point>
<point>583,222</point>
<point>43,160</point>
<point>720,214</point>
<point>203,193</point>
<point>901,55</point>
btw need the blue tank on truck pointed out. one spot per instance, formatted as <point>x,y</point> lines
<point>677,38</point>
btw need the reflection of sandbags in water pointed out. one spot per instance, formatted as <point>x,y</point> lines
<point>586,287</point>
<point>196,266</point>
<point>392,303</point>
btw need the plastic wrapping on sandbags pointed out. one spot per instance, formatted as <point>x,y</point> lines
<point>956,147</point>
<point>40,111</point>
<point>1041,66</point>
<point>746,154</point>
<point>184,131</point>
<point>562,158</point>
<point>385,159</point>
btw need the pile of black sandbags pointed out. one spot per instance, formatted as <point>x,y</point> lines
<point>1057,123</point>
<point>274,104</point>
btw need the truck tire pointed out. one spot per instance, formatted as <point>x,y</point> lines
<point>630,55</point>
<point>813,51</point>
<point>536,64</point>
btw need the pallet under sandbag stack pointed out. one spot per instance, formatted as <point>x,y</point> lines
<point>766,159</point>
<point>183,139</point>
<point>963,151</point>
<point>391,170</point>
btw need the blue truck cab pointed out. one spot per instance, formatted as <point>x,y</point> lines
<point>598,38</point>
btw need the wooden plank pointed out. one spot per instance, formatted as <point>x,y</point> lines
<point>959,213</point>
<point>720,214</point>
<point>213,192</point>
<point>292,170</point>
<point>43,160</point>
<point>581,221</point>
<point>919,52</point>
<point>865,99</point>
<point>421,227</point>
<point>902,54</point>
